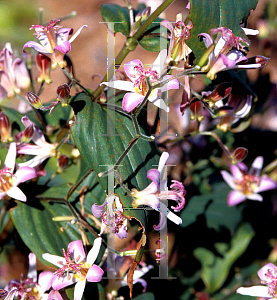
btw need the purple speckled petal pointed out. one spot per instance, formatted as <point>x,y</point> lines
<point>130,70</point>
<point>235,197</point>
<point>98,210</point>
<point>131,100</point>
<point>76,250</point>
<point>62,35</point>
<point>65,47</point>
<point>37,47</point>
<point>263,270</point>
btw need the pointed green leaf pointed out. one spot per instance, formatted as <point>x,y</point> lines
<point>215,269</point>
<point>101,151</point>
<point>117,15</point>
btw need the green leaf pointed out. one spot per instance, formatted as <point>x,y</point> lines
<point>215,269</point>
<point>214,207</point>
<point>117,14</point>
<point>145,296</point>
<point>100,150</point>
<point>152,40</point>
<point>206,15</point>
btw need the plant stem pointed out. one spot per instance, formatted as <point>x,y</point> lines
<point>122,156</point>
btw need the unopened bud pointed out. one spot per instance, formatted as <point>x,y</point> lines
<point>63,94</point>
<point>44,68</point>
<point>63,161</point>
<point>34,100</point>
<point>145,13</point>
<point>239,155</point>
<point>103,98</point>
<point>196,108</point>
<point>138,17</point>
<point>5,128</point>
<point>28,134</point>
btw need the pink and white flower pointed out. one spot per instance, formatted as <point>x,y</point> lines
<point>30,288</point>
<point>10,181</point>
<point>224,56</point>
<point>42,149</point>
<point>13,73</point>
<point>137,88</point>
<point>157,191</point>
<point>247,184</point>
<point>111,212</point>
<point>54,41</point>
<point>75,267</point>
<point>268,276</point>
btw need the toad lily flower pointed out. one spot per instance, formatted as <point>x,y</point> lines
<point>13,74</point>
<point>268,276</point>
<point>42,150</point>
<point>178,48</point>
<point>228,53</point>
<point>75,267</point>
<point>30,288</point>
<point>112,216</point>
<point>247,185</point>
<point>137,88</point>
<point>157,190</point>
<point>10,181</point>
<point>53,41</point>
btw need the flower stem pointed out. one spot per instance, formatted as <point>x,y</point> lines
<point>70,77</point>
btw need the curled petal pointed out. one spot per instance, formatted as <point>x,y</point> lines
<point>65,47</point>
<point>37,47</point>
<point>98,210</point>
<point>177,195</point>
<point>62,35</point>
<point>77,33</point>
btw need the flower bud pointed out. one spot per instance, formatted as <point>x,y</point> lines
<point>28,134</point>
<point>63,161</point>
<point>34,100</point>
<point>5,128</point>
<point>146,13</point>
<point>196,108</point>
<point>63,94</point>
<point>103,98</point>
<point>44,68</point>
<point>239,155</point>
